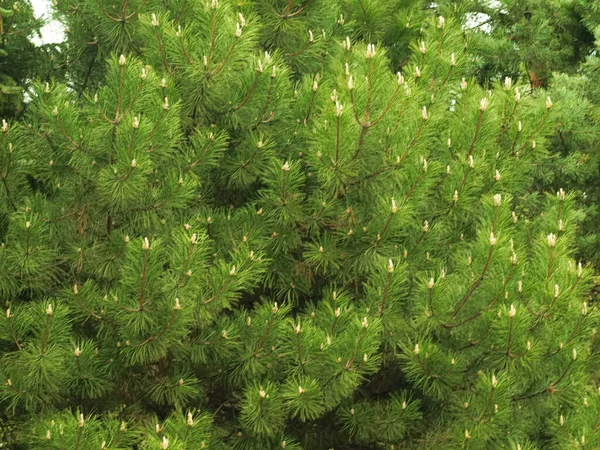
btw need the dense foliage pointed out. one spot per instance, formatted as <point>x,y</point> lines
<point>292,224</point>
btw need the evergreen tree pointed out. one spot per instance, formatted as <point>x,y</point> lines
<point>245,230</point>
<point>17,54</point>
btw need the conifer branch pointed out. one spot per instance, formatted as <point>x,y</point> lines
<point>487,406</point>
<point>213,37</point>
<point>385,293</point>
<point>143,286</point>
<point>180,12</point>
<point>536,131</point>
<point>160,333</point>
<point>223,63</point>
<point>12,329</point>
<point>264,337</point>
<point>162,49</point>
<point>387,108</point>
<point>477,129</point>
<point>298,11</point>
<point>46,330</point>
<point>185,52</point>
<point>105,12</point>
<point>66,135</point>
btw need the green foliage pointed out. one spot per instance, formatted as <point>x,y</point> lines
<point>291,224</point>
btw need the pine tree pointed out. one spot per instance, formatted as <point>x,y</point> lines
<point>257,226</point>
<point>17,54</point>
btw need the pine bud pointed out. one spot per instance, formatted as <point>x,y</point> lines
<point>136,123</point>
<point>350,82</point>
<point>158,428</point>
<point>232,271</point>
<point>517,95</point>
<point>424,165</point>
<point>4,126</point>
<point>548,102</point>
<point>122,60</point>
<point>463,84</point>
<point>339,109</point>
<point>286,167</point>
<point>190,419</point>
<point>154,20</point>
<point>163,83</point>
<point>390,266</point>
<point>370,53</point>
<point>77,352</point>
<point>424,113</point>
<point>365,322</point>
<point>177,306</point>
<point>337,312</point>
<point>455,196</point>
<point>431,283</point>
<point>224,334</point>
<point>574,353</point>
<point>123,426</point>
<point>274,72</point>
<point>297,328</point>
<point>315,85</point>
<point>417,72</point>
<point>494,381</point>
<point>311,38</point>
<point>164,444</point>
<point>441,22</point>
<point>81,421</point>
<point>214,4</point>
<point>497,199</point>
<point>238,30</point>
<point>551,240</point>
<point>492,239</point>
<point>497,176</point>
<point>49,310</point>
<point>561,420</point>
<point>275,308</point>
<point>47,90</point>
<point>55,111</point>
<point>178,32</point>
<point>507,83</point>
<point>133,163</point>
<point>348,45</point>
<point>471,162</point>
<point>422,48</point>
<point>416,350</point>
<point>467,435</point>
<point>426,226</point>
<point>146,244</point>
<point>514,216</point>
<point>513,259</point>
<point>556,291</point>
<point>452,60</point>
<point>48,435</point>
<point>520,126</point>
<point>166,103</point>
<point>483,104</point>
<point>301,390</point>
<point>561,194</point>
<point>579,270</point>
<point>512,312</point>
<point>262,393</point>
<point>400,79</point>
